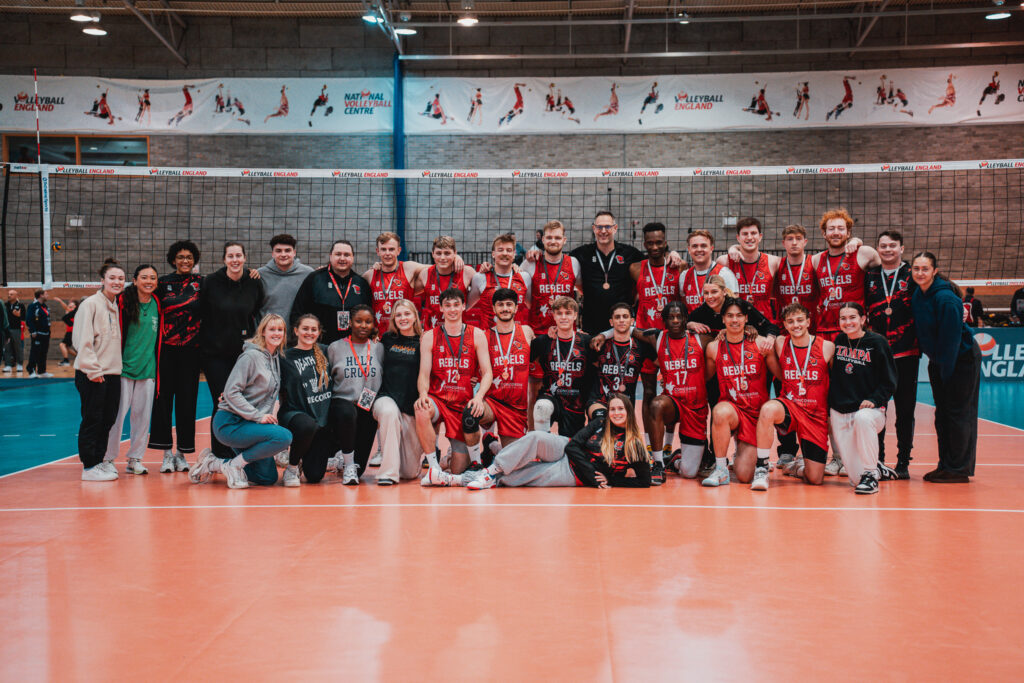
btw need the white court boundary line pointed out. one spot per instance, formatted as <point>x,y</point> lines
<point>641,506</point>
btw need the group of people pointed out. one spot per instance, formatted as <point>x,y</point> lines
<point>312,367</point>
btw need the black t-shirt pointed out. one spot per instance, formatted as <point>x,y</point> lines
<point>898,326</point>
<point>302,390</point>
<point>862,370</point>
<point>706,315</point>
<point>566,369</point>
<point>15,321</point>
<point>401,369</point>
<point>597,301</point>
<point>229,311</point>
<point>618,368</point>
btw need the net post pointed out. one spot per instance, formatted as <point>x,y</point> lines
<point>398,147</point>
<point>46,258</point>
<point>3,225</point>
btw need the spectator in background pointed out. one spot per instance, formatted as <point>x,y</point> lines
<point>539,243</point>
<point>3,333</point>
<point>974,312</point>
<point>37,319</point>
<point>520,252</point>
<point>15,318</point>
<point>282,276</point>
<point>66,347</point>
<point>1016,309</point>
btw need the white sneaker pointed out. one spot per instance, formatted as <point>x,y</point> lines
<point>282,459</point>
<point>108,465</point>
<point>180,463</point>
<point>19,367</point>
<point>795,468</point>
<point>350,476</point>
<point>98,473</point>
<point>7,369</point>
<point>291,476</point>
<point>334,463</point>
<point>834,466</point>
<point>720,477</point>
<point>200,472</point>
<point>376,459</point>
<point>438,477</point>
<point>760,481</point>
<point>235,475</point>
<point>46,374</point>
<point>32,375</point>
<point>135,466</point>
<point>482,481</point>
<point>168,462</point>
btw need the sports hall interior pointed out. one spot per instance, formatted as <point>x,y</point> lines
<point>155,578</point>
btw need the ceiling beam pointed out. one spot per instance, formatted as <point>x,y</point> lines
<point>629,29</point>
<point>821,16</point>
<point>871,25</point>
<point>714,53</point>
<point>130,6</point>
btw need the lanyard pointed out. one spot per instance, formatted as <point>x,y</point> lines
<point>664,274</point>
<point>828,264</point>
<point>604,268</point>
<point>796,282</point>
<point>505,355</point>
<point>391,281</point>
<point>698,285</point>
<point>621,360</point>
<point>560,365</point>
<point>338,289</point>
<point>558,273</point>
<point>728,355</point>
<point>801,370</point>
<point>743,272</point>
<point>359,362</point>
<point>448,343</point>
<point>889,291</point>
<point>437,279</point>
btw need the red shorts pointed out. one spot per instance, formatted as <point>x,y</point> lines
<point>693,420</point>
<point>807,425</point>
<point>746,431</point>
<point>452,418</point>
<point>511,421</point>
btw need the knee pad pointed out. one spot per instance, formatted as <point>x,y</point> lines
<point>470,424</point>
<point>543,409</point>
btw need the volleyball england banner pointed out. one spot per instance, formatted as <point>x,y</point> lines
<point>229,105</point>
<point>820,99</point>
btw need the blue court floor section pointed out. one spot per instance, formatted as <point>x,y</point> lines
<point>39,418</point>
<point>39,421</point>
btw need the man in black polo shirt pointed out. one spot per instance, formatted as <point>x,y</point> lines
<point>331,293</point>
<point>604,271</point>
<point>887,292</point>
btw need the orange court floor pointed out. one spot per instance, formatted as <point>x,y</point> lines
<point>153,578</point>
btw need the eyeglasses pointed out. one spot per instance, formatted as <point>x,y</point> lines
<point>603,228</point>
<point>184,257</point>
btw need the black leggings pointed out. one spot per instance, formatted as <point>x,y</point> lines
<point>312,445</point>
<point>356,429</point>
<point>178,388</point>
<point>100,401</point>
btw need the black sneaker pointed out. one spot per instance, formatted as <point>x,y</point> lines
<point>486,455</point>
<point>868,484</point>
<point>902,471</point>
<point>886,473</point>
<point>672,463</point>
<point>657,473</point>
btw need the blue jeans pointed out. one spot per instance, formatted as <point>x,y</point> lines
<point>254,441</point>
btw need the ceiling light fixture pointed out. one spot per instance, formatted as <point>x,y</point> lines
<point>405,31</point>
<point>372,18</point>
<point>468,18</point>
<point>94,31</point>
<point>79,14</point>
<point>684,18</point>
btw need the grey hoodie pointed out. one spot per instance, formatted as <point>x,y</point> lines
<point>280,286</point>
<point>253,384</point>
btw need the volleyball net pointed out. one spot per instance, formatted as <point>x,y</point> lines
<point>60,222</point>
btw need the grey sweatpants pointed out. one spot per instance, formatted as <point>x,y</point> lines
<point>136,402</point>
<point>537,459</point>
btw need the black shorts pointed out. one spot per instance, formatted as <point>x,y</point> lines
<point>66,340</point>
<point>569,422</point>
<point>810,450</point>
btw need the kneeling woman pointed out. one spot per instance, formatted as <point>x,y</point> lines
<point>608,452</point>
<point>305,400</point>
<point>861,383</point>
<point>245,420</point>
<point>357,368</point>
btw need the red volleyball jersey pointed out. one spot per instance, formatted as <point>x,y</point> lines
<point>549,281</point>
<point>755,284</point>
<point>656,286</point>
<point>693,286</point>
<point>437,283</point>
<point>805,367</point>
<point>510,361</point>
<point>387,288</point>
<point>682,368</point>
<point>454,366</point>
<point>796,284</point>
<point>514,281</point>
<point>742,375</point>
<point>840,278</point>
